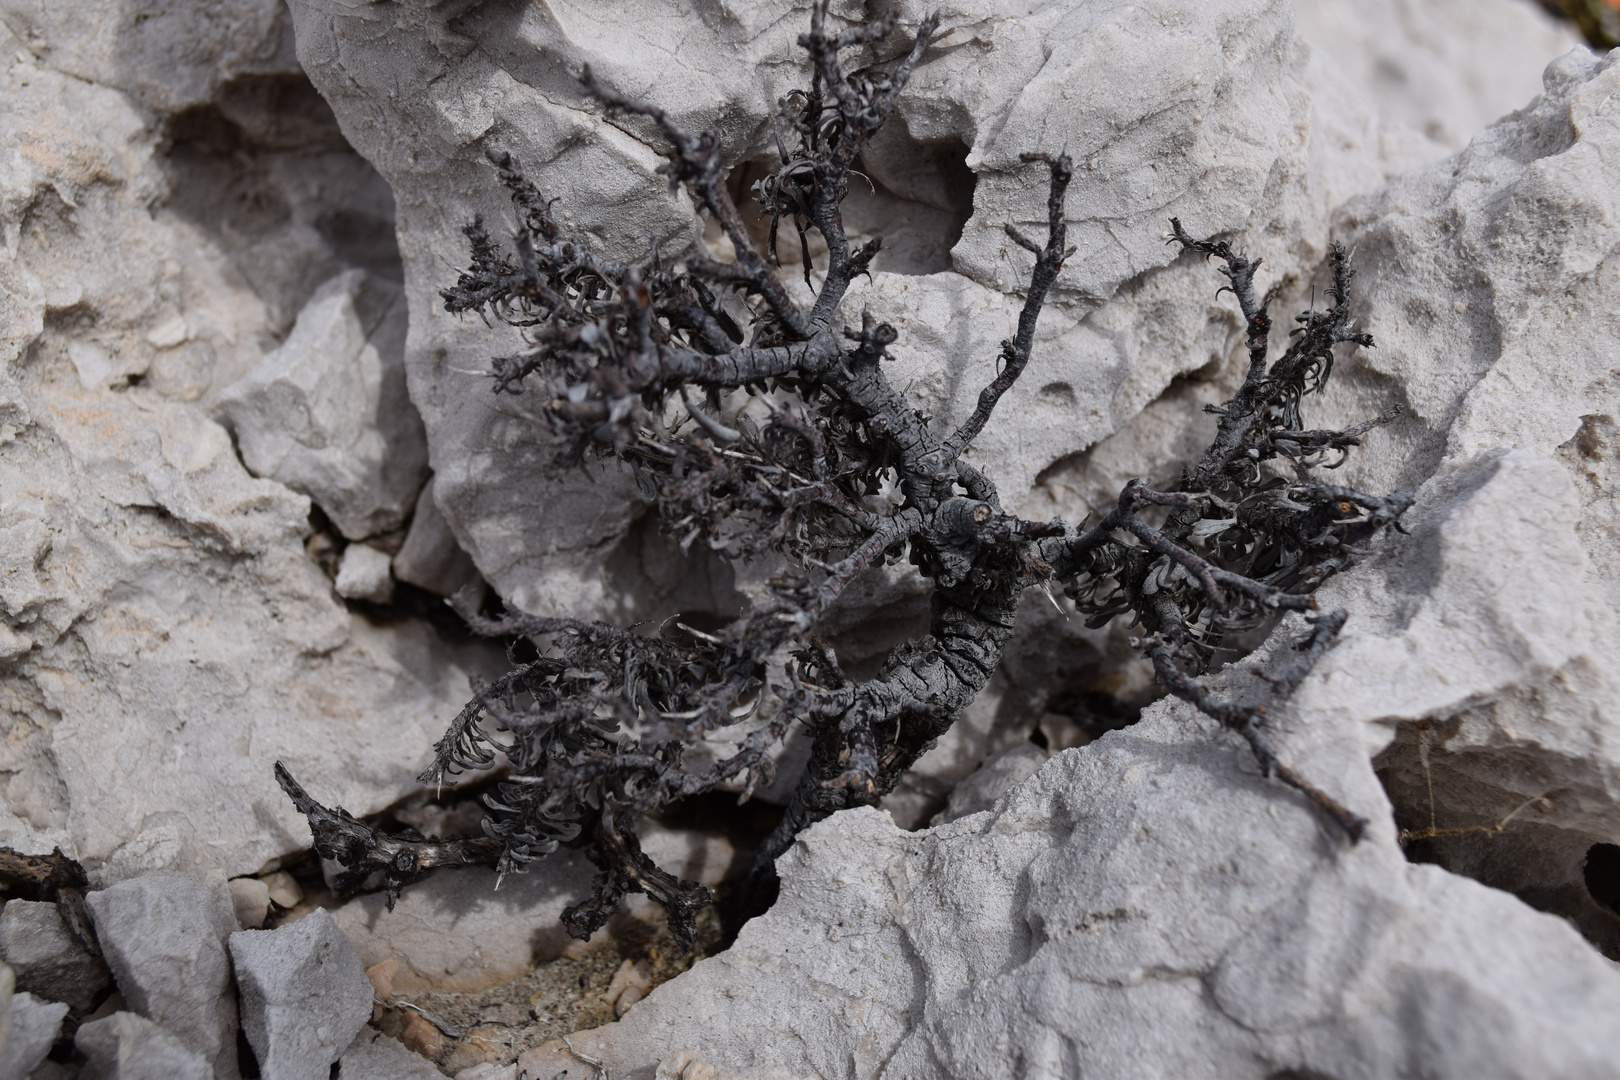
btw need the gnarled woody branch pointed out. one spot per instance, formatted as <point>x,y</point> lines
<point>633,360</point>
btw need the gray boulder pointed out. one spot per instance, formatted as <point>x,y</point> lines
<point>164,936</point>
<point>125,1046</point>
<point>304,995</point>
<point>47,958</point>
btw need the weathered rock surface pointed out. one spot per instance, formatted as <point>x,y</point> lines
<point>47,959</point>
<point>1443,69</point>
<point>31,1026</point>
<point>126,1046</point>
<point>304,994</point>
<point>164,936</point>
<point>165,636</point>
<point>374,1056</point>
<point>327,413</point>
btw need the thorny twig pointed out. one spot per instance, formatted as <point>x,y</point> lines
<point>596,731</point>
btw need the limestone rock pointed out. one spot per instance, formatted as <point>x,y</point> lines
<point>1445,69</point>
<point>992,780</point>
<point>47,959</point>
<point>31,1028</point>
<point>166,637</point>
<point>251,899</point>
<point>327,413</point>
<point>363,574</point>
<point>431,558</point>
<point>164,936</point>
<point>169,56</point>
<point>126,1046</point>
<point>374,1056</point>
<point>304,995</point>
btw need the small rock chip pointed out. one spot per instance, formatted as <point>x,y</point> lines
<point>374,1056</point>
<point>421,1037</point>
<point>125,1046</point>
<point>163,936</point>
<point>304,995</point>
<point>382,978</point>
<point>47,958</point>
<point>34,1025</point>
<point>252,899</point>
<point>483,1045</point>
<point>363,574</point>
<point>631,983</point>
<point>685,1066</point>
<point>285,892</point>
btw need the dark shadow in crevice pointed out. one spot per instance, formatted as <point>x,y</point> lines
<point>265,170</point>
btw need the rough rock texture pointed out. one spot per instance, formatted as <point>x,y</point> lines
<point>304,995</point>
<point>31,1027</point>
<point>1147,904</point>
<point>164,936</point>
<point>46,958</point>
<point>327,413</point>
<point>164,637</point>
<point>1444,69</point>
<point>125,1046</point>
<point>374,1056</point>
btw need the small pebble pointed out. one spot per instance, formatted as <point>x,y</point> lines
<point>421,1037</point>
<point>285,892</point>
<point>382,978</point>
<point>252,899</point>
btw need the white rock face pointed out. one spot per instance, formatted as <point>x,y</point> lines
<point>327,414</point>
<point>1443,69</point>
<point>165,636</point>
<point>430,557</point>
<point>304,995</point>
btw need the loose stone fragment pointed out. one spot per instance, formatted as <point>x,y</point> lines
<point>364,575</point>
<point>30,1027</point>
<point>304,995</point>
<point>47,959</point>
<point>125,1046</point>
<point>252,899</point>
<point>163,936</point>
<point>374,1056</point>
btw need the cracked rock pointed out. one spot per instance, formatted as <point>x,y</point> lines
<point>164,936</point>
<point>47,959</point>
<point>304,995</point>
<point>126,1046</point>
